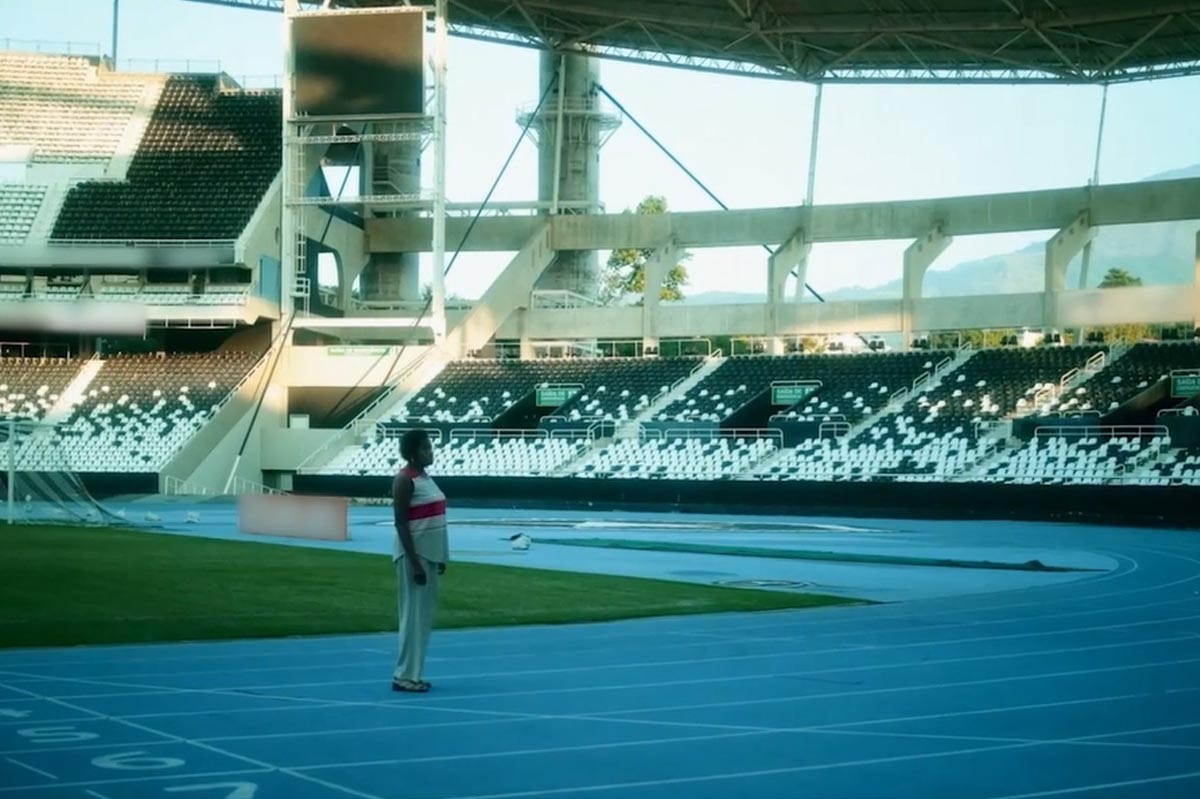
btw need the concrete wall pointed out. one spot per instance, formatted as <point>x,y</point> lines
<point>342,366</point>
<point>205,460</point>
<point>261,236</point>
<point>284,449</point>
<point>967,313</point>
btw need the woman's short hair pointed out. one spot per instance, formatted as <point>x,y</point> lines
<point>411,441</point>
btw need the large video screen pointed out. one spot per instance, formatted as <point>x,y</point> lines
<point>359,63</point>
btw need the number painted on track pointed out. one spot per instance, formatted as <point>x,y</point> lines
<point>56,735</point>
<point>136,761</point>
<point>240,790</point>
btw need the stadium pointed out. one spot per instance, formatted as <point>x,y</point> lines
<point>224,305</point>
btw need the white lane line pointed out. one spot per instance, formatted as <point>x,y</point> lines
<point>1100,786</point>
<point>34,769</point>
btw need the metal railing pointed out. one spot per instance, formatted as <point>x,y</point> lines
<point>206,65</point>
<point>242,485</point>
<point>50,47</point>
<point>1102,431</point>
<point>366,420</point>
<point>751,433</point>
<point>177,487</point>
<point>191,244</point>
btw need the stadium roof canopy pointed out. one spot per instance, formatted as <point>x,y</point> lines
<point>860,41</point>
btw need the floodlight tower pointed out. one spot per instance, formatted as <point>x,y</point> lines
<point>570,129</point>
<point>355,93</point>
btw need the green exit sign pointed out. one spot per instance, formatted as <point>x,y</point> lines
<point>790,394</point>
<point>553,396</point>
<point>1185,385</point>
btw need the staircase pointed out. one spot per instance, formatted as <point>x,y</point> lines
<point>74,393</point>
<point>1044,400</point>
<point>927,382</point>
<point>681,387</point>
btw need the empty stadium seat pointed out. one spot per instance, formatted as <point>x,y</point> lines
<point>1087,459</point>
<point>612,389</point>
<point>852,386</point>
<point>30,387</point>
<point>19,206</point>
<point>201,169</point>
<point>1144,365</point>
<point>480,454</point>
<point>139,410</point>
<point>67,108</point>
<point>692,458</point>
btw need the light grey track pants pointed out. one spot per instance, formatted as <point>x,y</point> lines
<point>417,605</point>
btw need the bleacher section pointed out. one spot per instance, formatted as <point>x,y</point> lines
<point>539,456</point>
<point>203,165</point>
<point>470,453</point>
<point>935,458</point>
<point>993,385</point>
<point>610,388</point>
<point>937,431</point>
<point>1174,467</point>
<point>953,424</point>
<point>67,108</point>
<point>30,387</point>
<point>1141,367</point>
<point>19,206</point>
<point>140,409</point>
<point>851,386</point>
<point>1090,459</point>
<point>721,458</point>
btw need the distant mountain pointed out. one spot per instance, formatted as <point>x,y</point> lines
<point>1160,253</point>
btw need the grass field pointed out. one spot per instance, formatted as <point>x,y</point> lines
<point>67,585</point>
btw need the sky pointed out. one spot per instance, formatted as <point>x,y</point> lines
<point>746,138</point>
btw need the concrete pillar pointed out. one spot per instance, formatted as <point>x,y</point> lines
<point>391,168</point>
<point>526,352</point>
<point>570,131</point>
<point>1060,249</point>
<point>919,256</point>
<point>791,255</point>
<point>657,267</point>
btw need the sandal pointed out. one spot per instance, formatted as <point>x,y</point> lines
<point>410,686</point>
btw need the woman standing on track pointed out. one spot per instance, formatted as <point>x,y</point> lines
<point>421,550</point>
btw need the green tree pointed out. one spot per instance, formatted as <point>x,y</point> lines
<point>624,275</point>
<point>1117,278</point>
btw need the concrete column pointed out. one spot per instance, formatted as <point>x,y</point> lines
<point>391,168</point>
<point>1060,249</point>
<point>571,129</point>
<point>791,255</point>
<point>657,267</point>
<point>526,343</point>
<point>919,256</point>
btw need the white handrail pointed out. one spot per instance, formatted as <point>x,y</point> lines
<point>242,485</point>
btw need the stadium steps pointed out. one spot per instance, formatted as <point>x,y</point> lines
<point>52,202</point>
<point>74,393</point>
<point>135,129</point>
<point>1079,377</point>
<point>212,443</point>
<point>706,368</point>
<point>412,378</point>
<point>896,405</point>
<point>572,465</point>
